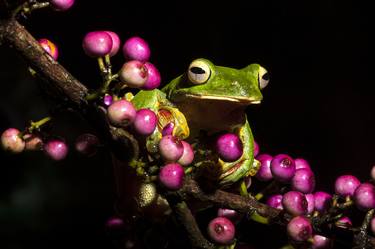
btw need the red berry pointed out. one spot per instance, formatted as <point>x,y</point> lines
<point>221,230</point>
<point>11,141</point>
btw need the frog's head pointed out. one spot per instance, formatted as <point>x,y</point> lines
<point>205,81</point>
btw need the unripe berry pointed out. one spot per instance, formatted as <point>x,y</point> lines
<point>171,148</point>
<point>145,122</point>
<point>295,203</point>
<point>283,168</point>
<point>87,144</point>
<point>299,229</point>
<point>187,155</point>
<point>97,44</point>
<point>11,141</point>
<point>364,196</point>
<point>62,5</point>
<point>115,43</point>
<point>229,147</point>
<point>135,48</point>
<point>172,176</point>
<point>221,230</point>
<point>121,113</point>
<point>303,181</point>
<point>49,47</point>
<point>153,79</point>
<point>264,173</point>
<point>56,149</point>
<point>346,185</point>
<point>134,74</point>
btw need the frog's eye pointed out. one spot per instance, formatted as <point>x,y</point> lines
<point>199,72</point>
<point>263,77</point>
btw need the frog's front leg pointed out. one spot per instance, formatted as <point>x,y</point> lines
<point>246,165</point>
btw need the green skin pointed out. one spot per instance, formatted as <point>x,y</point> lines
<point>212,100</point>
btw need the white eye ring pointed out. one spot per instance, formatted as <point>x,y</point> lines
<point>199,72</point>
<point>263,77</point>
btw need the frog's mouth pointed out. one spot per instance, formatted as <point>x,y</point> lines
<point>239,100</point>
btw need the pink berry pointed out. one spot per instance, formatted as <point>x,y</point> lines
<point>134,74</point>
<point>295,203</point>
<point>172,176</point>
<point>346,185</point>
<point>275,201</point>
<point>301,163</point>
<point>364,196</point>
<point>62,5</point>
<point>264,173</point>
<point>283,168</point>
<point>373,173</point>
<point>11,141</point>
<point>121,113</point>
<point>115,43</point>
<point>49,47</point>
<point>299,229</point>
<point>145,122</point>
<point>153,79</point>
<point>171,148</point>
<point>33,142</point>
<point>256,148</point>
<point>228,213</point>
<point>303,181</point>
<point>187,156</point>
<point>56,149</point>
<point>108,100</point>
<point>221,230</point>
<point>344,222</point>
<point>321,242</point>
<point>97,44</point>
<point>229,147</point>
<point>322,201</point>
<point>372,225</point>
<point>135,48</point>
<point>310,203</point>
<point>168,129</point>
<point>87,144</point>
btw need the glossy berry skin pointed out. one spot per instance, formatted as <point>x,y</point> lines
<point>283,168</point>
<point>364,196</point>
<point>11,141</point>
<point>33,142</point>
<point>346,185</point>
<point>321,242</point>
<point>145,122</point>
<point>62,5</point>
<point>322,201</point>
<point>264,173</point>
<point>171,148</point>
<point>135,48</point>
<point>172,176</point>
<point>299,229</point>
<point>121,113</point>
<point>310,203</point>
<point>187,156</point>
<point>97,44</point>
<point>107,100</point>
<point>294,203</point>
<point>134,74</point>
<point>344,222</point>
<point>275,201</point>
<point>228,213</point>
<point>303,181</point>
<point>301,163</point>
<point>115,43</point>
<point>49,47</point>
<point>87,144</point>
<point>221,231</point>
<point>153,80</point>
<point>168,129</point>
<point>56,149</point>
<point>229,147</point>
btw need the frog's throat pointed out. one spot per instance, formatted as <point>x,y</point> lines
<point>243,100</point>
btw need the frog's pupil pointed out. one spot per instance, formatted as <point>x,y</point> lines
<point>197,70</point>
<point>266,76</point>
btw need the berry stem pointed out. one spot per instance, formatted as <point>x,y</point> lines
<point>28,6</point>
<point>243,189</point>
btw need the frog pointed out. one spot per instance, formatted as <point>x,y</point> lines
<point>212,99</point>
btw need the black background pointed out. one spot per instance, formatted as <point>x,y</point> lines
<point>319,104</point>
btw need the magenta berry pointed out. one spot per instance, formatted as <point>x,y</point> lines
<point>171,176</point>
<point>275,201</point>
<point>56,149</point>
<point>97,44</point>
<point>322,201</point>
<point>134,74</point>
<point>364,196</point>
<point>107,100</point>
<point>145,122</point>
<point>256,148</point>
<point>135,48</point>
<point>301,163</point>
<point>295,203</point>
<point>346,185</point>
<point>115,223</point>
<point>11,141</point>
<point>344,222</point>
<point>303,181</point>
<point>229,147</point>
<point>62,5</point>
<point>283,168</point>
<point>310,203</point>
<point>49,47</point>
<point>115,43</point>
<point>167,129</point>
<point>33,142</point>
<point>187,156</point>
<point>153,79</point>
<point>299,229</point>
<point>171,148</point>
<point>221,230</point>
<point>121,113</point>
<point>228,213</point>
<point>87,144</point>
<point>321,242</point>
<point>264,173</point>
